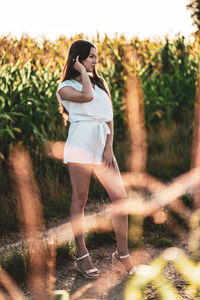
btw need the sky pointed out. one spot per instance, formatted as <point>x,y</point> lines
<point>51,18</point>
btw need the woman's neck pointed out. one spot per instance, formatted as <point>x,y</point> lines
<point>79,79</point>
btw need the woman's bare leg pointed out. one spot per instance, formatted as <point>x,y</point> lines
<point>112,182</point>
<point>80,175</point>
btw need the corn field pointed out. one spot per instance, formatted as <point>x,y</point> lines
<point>30,73</point>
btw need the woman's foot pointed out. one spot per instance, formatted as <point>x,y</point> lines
<point>85,267</point>
<point>123,263</point>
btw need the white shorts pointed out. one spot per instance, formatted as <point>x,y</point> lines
<point>86,142</point>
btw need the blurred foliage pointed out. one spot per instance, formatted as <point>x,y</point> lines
<point>186,265</point>
<point>152,274</point>
<point>61,295</point>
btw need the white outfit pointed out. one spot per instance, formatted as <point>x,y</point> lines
<point>88,128</point>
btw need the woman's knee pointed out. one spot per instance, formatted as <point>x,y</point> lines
<point>80,195</point>
<point>118,196</point>
<point>79,199</point>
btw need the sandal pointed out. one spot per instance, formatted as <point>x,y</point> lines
<point>91,273</point>
<point>118,266</point>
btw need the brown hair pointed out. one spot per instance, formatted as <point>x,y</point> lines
<point>81,48</point>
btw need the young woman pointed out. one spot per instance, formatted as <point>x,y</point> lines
<point>85,99</point>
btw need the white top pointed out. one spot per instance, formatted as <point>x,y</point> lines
<point>99,109</point>
<point>88,125</point>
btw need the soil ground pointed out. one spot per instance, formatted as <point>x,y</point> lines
<point>111,285</point>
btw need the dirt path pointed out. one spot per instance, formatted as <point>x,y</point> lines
<point>111,286</point>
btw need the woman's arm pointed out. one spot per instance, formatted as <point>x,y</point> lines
<point>108,156</point>
<point>69,93</point>
<point>109,140</point>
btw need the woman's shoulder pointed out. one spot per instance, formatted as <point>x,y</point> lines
<point>67,82</point>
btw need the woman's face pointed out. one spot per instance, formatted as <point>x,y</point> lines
<point>90,62</point>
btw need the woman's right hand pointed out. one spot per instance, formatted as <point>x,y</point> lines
<point>78,66</point>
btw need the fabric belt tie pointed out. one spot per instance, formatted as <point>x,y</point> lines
<point>103,129</point>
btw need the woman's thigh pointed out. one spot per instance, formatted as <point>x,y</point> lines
<point>80,176</point>
<point>112,181</point>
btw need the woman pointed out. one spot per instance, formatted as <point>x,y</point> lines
<point>85,98</point>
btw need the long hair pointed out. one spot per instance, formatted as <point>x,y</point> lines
<point>81,48</point>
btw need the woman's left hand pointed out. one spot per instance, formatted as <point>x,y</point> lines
<point>109,159</point>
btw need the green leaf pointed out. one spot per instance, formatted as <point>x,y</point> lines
<point>6,116</point>
<point>10,133</point>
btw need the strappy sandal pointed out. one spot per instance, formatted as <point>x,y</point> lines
<point>91,273</point>
<point>118,266</point>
